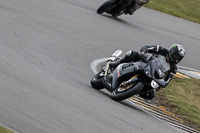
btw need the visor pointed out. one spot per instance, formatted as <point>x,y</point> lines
<point>175,57</point>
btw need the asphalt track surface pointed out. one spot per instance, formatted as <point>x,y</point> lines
<point>46,48</point>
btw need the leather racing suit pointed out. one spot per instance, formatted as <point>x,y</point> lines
<point>131,5</point>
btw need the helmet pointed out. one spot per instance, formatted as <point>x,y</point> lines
<point>176,53</point>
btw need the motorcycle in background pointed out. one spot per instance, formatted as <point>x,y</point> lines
<point>110,7</point>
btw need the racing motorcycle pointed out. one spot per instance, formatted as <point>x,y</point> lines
<point>129,79</point>
<point>110,8</point>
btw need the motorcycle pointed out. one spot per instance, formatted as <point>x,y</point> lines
<point>129,79</point>
<point>110,7</point>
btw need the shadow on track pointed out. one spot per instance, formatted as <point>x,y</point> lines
<point>126,23</point>
<point>118,20</point>
<point>125,103</point>
<point>130,105</point>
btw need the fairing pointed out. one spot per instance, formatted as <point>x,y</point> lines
<point>126,70</point>
<point>157,69</point>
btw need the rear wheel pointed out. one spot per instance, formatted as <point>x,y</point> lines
<point>122,93</point>
<point>105,6</point>
<point>96,81</point>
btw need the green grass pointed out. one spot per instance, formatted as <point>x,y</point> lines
<point>186,9</point>
<point>183,96</point>
<point>4,130</point>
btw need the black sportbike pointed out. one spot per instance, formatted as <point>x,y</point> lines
<point>129,79</point>
<point>110,7</point>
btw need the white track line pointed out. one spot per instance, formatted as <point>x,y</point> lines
<point>95,63</point>
<point>14,131</point>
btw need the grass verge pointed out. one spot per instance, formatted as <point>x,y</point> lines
<point>4,130</point>
<point>182,97</point>
<point>186,9</point>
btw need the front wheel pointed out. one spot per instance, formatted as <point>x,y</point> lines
<point>96,81</point>
<point>105,6</point>
<point>122,93</point>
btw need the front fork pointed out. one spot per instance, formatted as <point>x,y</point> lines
<point>107,68</point>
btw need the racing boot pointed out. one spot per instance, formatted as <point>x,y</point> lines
<point>130,10</point>
<point>121,7</point>
<point>148,96</point>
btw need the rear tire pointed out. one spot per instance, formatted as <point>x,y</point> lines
<point>104,7</point>
<point>96,81</point>
<point>122,95</point>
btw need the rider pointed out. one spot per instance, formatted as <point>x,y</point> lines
<point>173,56</point>
<point>131,6</point>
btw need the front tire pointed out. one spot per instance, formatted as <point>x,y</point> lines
<point>118,95</point>
<point>104,7</point>
<point>96,81</point>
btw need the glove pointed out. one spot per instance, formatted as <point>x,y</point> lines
<point>114,64</point>
<point>138,1</point>
<point>142,1</point>
<point>144,50</point>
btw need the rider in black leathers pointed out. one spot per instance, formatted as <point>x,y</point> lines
<point>131,6</point>
<point>173,56</point>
